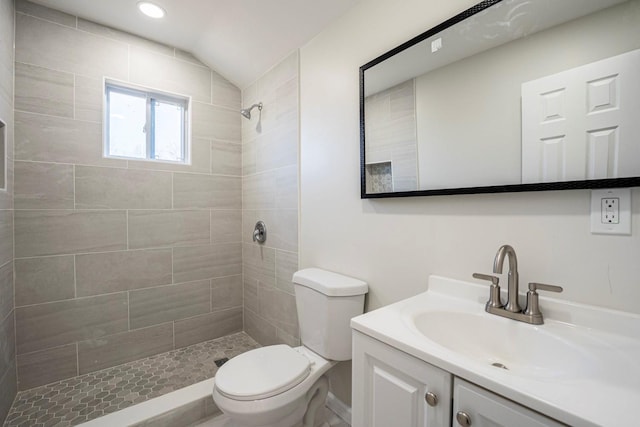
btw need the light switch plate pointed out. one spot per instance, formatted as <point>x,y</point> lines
<point>611,211</point>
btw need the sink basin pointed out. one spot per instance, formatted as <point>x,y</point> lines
<point>580,367</point>
<point>521,349</point>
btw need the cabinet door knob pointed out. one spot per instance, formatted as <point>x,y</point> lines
<point>432,399</point>
<point>463,419</point>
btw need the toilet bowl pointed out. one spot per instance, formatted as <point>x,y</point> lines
<point>281,396</point>
<point>282,386</point>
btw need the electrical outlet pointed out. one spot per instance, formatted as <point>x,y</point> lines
<point>611,211</point>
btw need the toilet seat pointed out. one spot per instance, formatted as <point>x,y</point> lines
<point>262,373</point>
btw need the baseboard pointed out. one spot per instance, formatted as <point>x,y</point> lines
<point>339,408</point>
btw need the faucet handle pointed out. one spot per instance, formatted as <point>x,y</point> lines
<point>493,279</point>
<point>549,288</point>
<point>494,293</point>
<point>533,306</point>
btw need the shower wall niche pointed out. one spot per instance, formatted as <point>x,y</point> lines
<point>117,259</point>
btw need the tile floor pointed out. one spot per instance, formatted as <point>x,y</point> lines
<point>76,400</point>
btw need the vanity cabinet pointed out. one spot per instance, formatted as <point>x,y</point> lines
<point>476,407</point>
<point>392,388</point>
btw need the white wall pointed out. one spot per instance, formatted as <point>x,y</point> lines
<point>395,244</point>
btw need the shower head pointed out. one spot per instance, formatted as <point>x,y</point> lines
<point>246,112</point>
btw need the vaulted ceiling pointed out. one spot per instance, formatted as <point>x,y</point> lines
<point>241,39</point>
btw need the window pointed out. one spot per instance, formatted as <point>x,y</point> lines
<point>146,125</point>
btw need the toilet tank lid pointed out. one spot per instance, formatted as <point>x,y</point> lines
<point>329,283</point>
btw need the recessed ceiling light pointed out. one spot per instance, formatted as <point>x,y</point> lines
<point>151,10</point>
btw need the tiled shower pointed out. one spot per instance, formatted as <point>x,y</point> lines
<point>117,260</point>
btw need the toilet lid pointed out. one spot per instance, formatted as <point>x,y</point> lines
<point>262,373</point>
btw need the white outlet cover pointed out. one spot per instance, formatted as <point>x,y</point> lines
<point>623,227</point>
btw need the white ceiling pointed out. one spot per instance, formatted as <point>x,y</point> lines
<point>241,39</point>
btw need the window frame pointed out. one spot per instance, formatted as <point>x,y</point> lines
<point>150,95</point>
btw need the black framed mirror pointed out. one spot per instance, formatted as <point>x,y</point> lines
<point>507,96</point>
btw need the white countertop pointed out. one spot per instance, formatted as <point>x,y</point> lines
<point>602,389</point>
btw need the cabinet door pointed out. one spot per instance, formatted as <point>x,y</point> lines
<point>485,409</point>
<point>390,388</point>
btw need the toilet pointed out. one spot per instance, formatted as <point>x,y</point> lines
<point>282,386</point>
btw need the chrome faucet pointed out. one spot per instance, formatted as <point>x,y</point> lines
<point>512,278</point>
<point>512,309</point>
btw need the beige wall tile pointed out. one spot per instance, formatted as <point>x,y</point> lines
<point>259,191</point>
<point>224,93</point>
<point>47,366</point>
<point>8,380</point>
<point>208,326</point>
<point>287,102</point>
<point>250,97</point>
<point>110,188</point>
<point>8,389</point>
<point>277,149</point>
<point>282,226</point>
<point>108,272</point>
<point>249,158</point>
<point>124,347</point>
<point>7,343</point>
<point>48,45</point>
<point>286,265</point>
<point>204,191</point>
<point>285,338</point>
<point>40,233</point>
<point>213,122</point>
<point>43,91</point>
<point>43,186</point>
<point>167,303</point>
<point>287,187</point>
<point>226,226</point>
<point>6,197</point>
<point>277,189</point>
<point>43,12</point>
<point>171,74</point>
<point>6,237</point>
<point>124,37</point>
<point>49,325</point>
<point>280,74</point>
<point>200,160</point>
<point>6,290</point>
<point>250,294</point>
<point>6,55</point>
<point>40,280</point>
<point>88,98</point>
<point>226,158</point>
<point>152,229</point>
<point>206,262</point>
<point>226,292</point>
<point>259,329</point>
<point>259,263</point>
<point>278,308</point>
<point>55,139</point>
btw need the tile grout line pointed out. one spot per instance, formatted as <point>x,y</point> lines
<point>75,278</point>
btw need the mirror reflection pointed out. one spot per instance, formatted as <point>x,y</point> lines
<point>523,92</point>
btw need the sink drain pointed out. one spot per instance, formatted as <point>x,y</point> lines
<point>499,365</point>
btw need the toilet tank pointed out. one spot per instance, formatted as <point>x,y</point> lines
<point>326,302</point>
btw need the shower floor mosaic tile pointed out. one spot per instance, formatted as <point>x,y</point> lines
<point>76,400</point>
